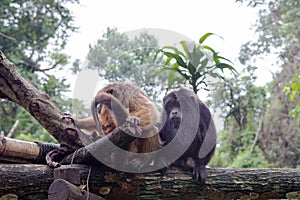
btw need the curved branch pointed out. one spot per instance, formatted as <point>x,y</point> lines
<point>15,88</point>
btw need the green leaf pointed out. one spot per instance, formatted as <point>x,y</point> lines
<point>157,52</point>
<point>182,74</point>
<point>174,49</point>
<point>204,37</point>
<point>175,66</point>
<point>196,56</point>
<point>157,73</point>
<point>168,60</point>
<point>215,75</point>
<point>223,66</point>
<point>171,77</point>
<point>209,48</point>
<point>178,59</point>
<point>287,89</point>
<point>185,48</point>
<point>204,62</point>
<point>220,57</point>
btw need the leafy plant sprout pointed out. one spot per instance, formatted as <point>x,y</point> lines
<point>194,63</point>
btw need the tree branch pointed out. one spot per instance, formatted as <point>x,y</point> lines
<point>17,89</point>
<point>13,129</point>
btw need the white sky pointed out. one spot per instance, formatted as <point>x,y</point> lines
<point>191,18</point>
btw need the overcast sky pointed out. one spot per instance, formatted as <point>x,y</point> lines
<point>191,18</point>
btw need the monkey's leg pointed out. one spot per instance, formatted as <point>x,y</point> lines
<point>198,169</point>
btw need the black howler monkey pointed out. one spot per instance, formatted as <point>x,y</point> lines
<point>186,117</point>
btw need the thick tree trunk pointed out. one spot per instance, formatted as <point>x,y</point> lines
<point>33,181</point>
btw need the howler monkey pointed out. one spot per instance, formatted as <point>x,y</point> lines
<point>111,107</point>
<point>188,125</point>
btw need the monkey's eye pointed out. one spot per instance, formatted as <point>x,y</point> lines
<point>110,91</point>
<point>169,107</point>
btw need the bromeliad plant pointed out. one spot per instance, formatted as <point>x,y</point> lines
<point>194,63</point>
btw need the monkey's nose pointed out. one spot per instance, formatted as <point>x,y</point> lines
<point>174,113</point>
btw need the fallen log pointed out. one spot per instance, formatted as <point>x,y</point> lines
<point>32,181</point>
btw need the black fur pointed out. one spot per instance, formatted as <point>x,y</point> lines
<point>173,116</point>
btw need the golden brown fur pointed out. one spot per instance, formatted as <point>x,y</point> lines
<point>120,100</point>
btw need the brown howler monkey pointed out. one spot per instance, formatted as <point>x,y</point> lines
<point>179,118</point>
<point>111,107</point>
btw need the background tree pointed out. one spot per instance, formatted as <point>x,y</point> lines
<point>118,58</point>
<point>242,105</point>
<point>32,35</point>
<point>278,31</point>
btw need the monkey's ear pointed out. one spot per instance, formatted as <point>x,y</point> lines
<point>193,98</point>
<point>110,91</point>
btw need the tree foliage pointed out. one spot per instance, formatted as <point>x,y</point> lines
<point>242,105</point>
<point>294,91</point>
<point>278,32</point>
<point>119,58</point>
<point>32,35</point>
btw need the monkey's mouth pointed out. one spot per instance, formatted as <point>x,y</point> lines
<point>175,121</point>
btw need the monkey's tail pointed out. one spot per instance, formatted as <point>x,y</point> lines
<point>96,108</point>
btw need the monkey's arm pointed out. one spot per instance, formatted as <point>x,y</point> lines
<point>86,123</point>
<point>113,104</point>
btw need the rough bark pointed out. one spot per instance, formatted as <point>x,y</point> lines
<point>61,189</point>
<point>26,181</point>
<point>31,181</point>
<point>15,88</point>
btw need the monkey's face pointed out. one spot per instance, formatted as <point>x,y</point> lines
<point>172,109</point>
<point>107,120</point>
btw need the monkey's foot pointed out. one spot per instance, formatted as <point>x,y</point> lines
<point>133,125</point>
<point>134,121</point>
<point>53,157</point>
<point>164,171</point>
<point>139,163</point>
<point>199,171</point>
<point>69,117</point>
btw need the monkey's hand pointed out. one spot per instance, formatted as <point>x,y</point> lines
<point>112,103</point>
<point>104,99</point>
<point>54,157</point>
<point>69,117</point>
<point>132,126</point>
